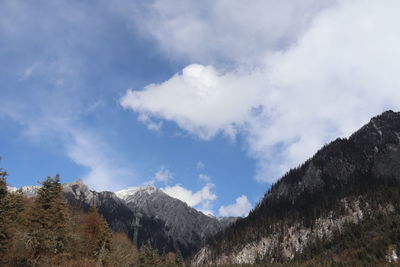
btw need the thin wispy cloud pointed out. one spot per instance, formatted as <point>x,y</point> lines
<point>49,97</point>
<point>103,173</point>
<point>200,165</point>
<point>163,175</point>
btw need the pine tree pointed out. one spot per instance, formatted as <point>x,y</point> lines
<point>48,220</point>
<point>3,183</point>
<point>179,259</point>
<point>11,207</point>
<point>4,215</point>
<point>148,256</point>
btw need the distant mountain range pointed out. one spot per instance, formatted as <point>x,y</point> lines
<point>146,214</point>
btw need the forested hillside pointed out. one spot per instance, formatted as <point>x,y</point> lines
<point>349,182</point>
<point>45,231</point>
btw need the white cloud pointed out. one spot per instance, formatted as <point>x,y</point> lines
<point>163,175</point>
<point>241,207</point>
<point>200,100</point>
<point>104,170</point>
<point>201,200</point>
<point>335,70</point>
<point>104,173</point>
<point>228,31</point>
<point>47,91</point>
<point>204,177</point>
<point>340,73</point>
<point>150,124</point>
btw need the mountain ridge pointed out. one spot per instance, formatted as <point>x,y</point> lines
<point>145,214</point>
<point>340,184</point>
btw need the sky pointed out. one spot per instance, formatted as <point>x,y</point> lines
<point>210,101</point>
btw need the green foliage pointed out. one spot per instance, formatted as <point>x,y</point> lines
<point>48,220</point>
<point>11,207</point>
<point>3,183</point>
<point>148,256</point>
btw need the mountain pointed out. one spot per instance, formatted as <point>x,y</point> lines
<point>145,214</point>
<point>78,195</point>
<point>186,227</point>
<point>114,210</point>
<point>342,205</point>
<point>28,191</point>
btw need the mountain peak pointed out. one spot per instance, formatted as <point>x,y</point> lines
<point>130,191</point>
<point>347,180</point>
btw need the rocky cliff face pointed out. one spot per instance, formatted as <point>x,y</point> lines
<point>335,187</point>
<point>185,227</point>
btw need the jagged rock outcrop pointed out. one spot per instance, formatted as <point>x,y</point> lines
<point>339,185</point>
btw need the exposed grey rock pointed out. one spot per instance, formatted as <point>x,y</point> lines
<point>185,226</point>
<point>112,208</point>
<point>145,214</point>
<point>332,178</point>
<point>29,191</point>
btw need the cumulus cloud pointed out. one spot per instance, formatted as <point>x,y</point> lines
<point>324,73</point>
<point>201,200</point>
<point>163,175</point>
<point>200,100</point>
<point>241,207</point>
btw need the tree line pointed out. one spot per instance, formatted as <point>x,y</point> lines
<point>45,231</point>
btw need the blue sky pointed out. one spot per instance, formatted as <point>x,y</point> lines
<point>212,101</point>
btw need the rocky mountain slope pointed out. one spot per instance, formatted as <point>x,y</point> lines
<point>186,228</point>
<point>145,214</point>
<point>348,182</point>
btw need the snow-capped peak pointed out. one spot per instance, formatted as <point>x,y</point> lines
<point>11,189</point>
<point>130,191</point>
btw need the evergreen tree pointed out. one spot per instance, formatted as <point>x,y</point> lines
<point>48,220</point>
<point>11,206</point>
<point>179,259</point>
<point>3,183</point>
<point>148,256</point>
<point>4,215</point>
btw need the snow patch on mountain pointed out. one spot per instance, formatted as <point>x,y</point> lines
<point>130,191</point>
